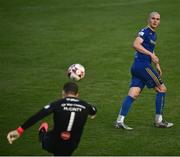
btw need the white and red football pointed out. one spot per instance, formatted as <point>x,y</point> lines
<point>76,72</point>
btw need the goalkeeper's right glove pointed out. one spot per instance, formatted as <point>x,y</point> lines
<point>15,134</point>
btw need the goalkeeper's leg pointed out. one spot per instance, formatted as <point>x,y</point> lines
<point>45,137</point>
<point>42,131</point>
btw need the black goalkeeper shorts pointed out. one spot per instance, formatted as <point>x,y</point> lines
<point>56,146</point>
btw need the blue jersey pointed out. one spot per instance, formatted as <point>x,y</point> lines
<point>142,71</point>
<point>149,41</point>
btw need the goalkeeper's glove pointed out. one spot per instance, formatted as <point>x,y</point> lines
<point>15,134</point>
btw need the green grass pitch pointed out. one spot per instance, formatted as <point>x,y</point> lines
<point>38,41</point>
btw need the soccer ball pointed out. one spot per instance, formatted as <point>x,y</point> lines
<point>76,72</point>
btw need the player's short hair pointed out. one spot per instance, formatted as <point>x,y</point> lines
<point>70,88</point>
<point>152,13</point>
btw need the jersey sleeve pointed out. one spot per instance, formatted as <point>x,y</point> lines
<point>38,116</point>
<point>142,34</point>
<point>92,110</point>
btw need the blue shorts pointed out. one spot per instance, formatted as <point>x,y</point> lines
<point>144,74</point>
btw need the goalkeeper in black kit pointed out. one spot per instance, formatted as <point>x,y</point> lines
<point>69,115</point>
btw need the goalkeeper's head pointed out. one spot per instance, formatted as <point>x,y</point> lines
<point>70,89</point>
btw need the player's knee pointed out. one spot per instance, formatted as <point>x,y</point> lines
<point>162,89</point>
<point>134,92</point>
<point>134,95</point>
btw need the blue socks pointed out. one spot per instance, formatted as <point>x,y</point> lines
<point>126,105</point>
<point>160,97</point>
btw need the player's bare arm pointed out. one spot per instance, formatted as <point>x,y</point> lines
<point>138,46</point>
<point>158,69</point>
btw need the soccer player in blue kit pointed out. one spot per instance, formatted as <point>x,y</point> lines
<point>143,74</point>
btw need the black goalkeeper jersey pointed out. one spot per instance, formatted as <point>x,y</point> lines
<point>69,115</point>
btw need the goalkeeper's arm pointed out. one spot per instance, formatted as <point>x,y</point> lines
<point>15,134</point>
